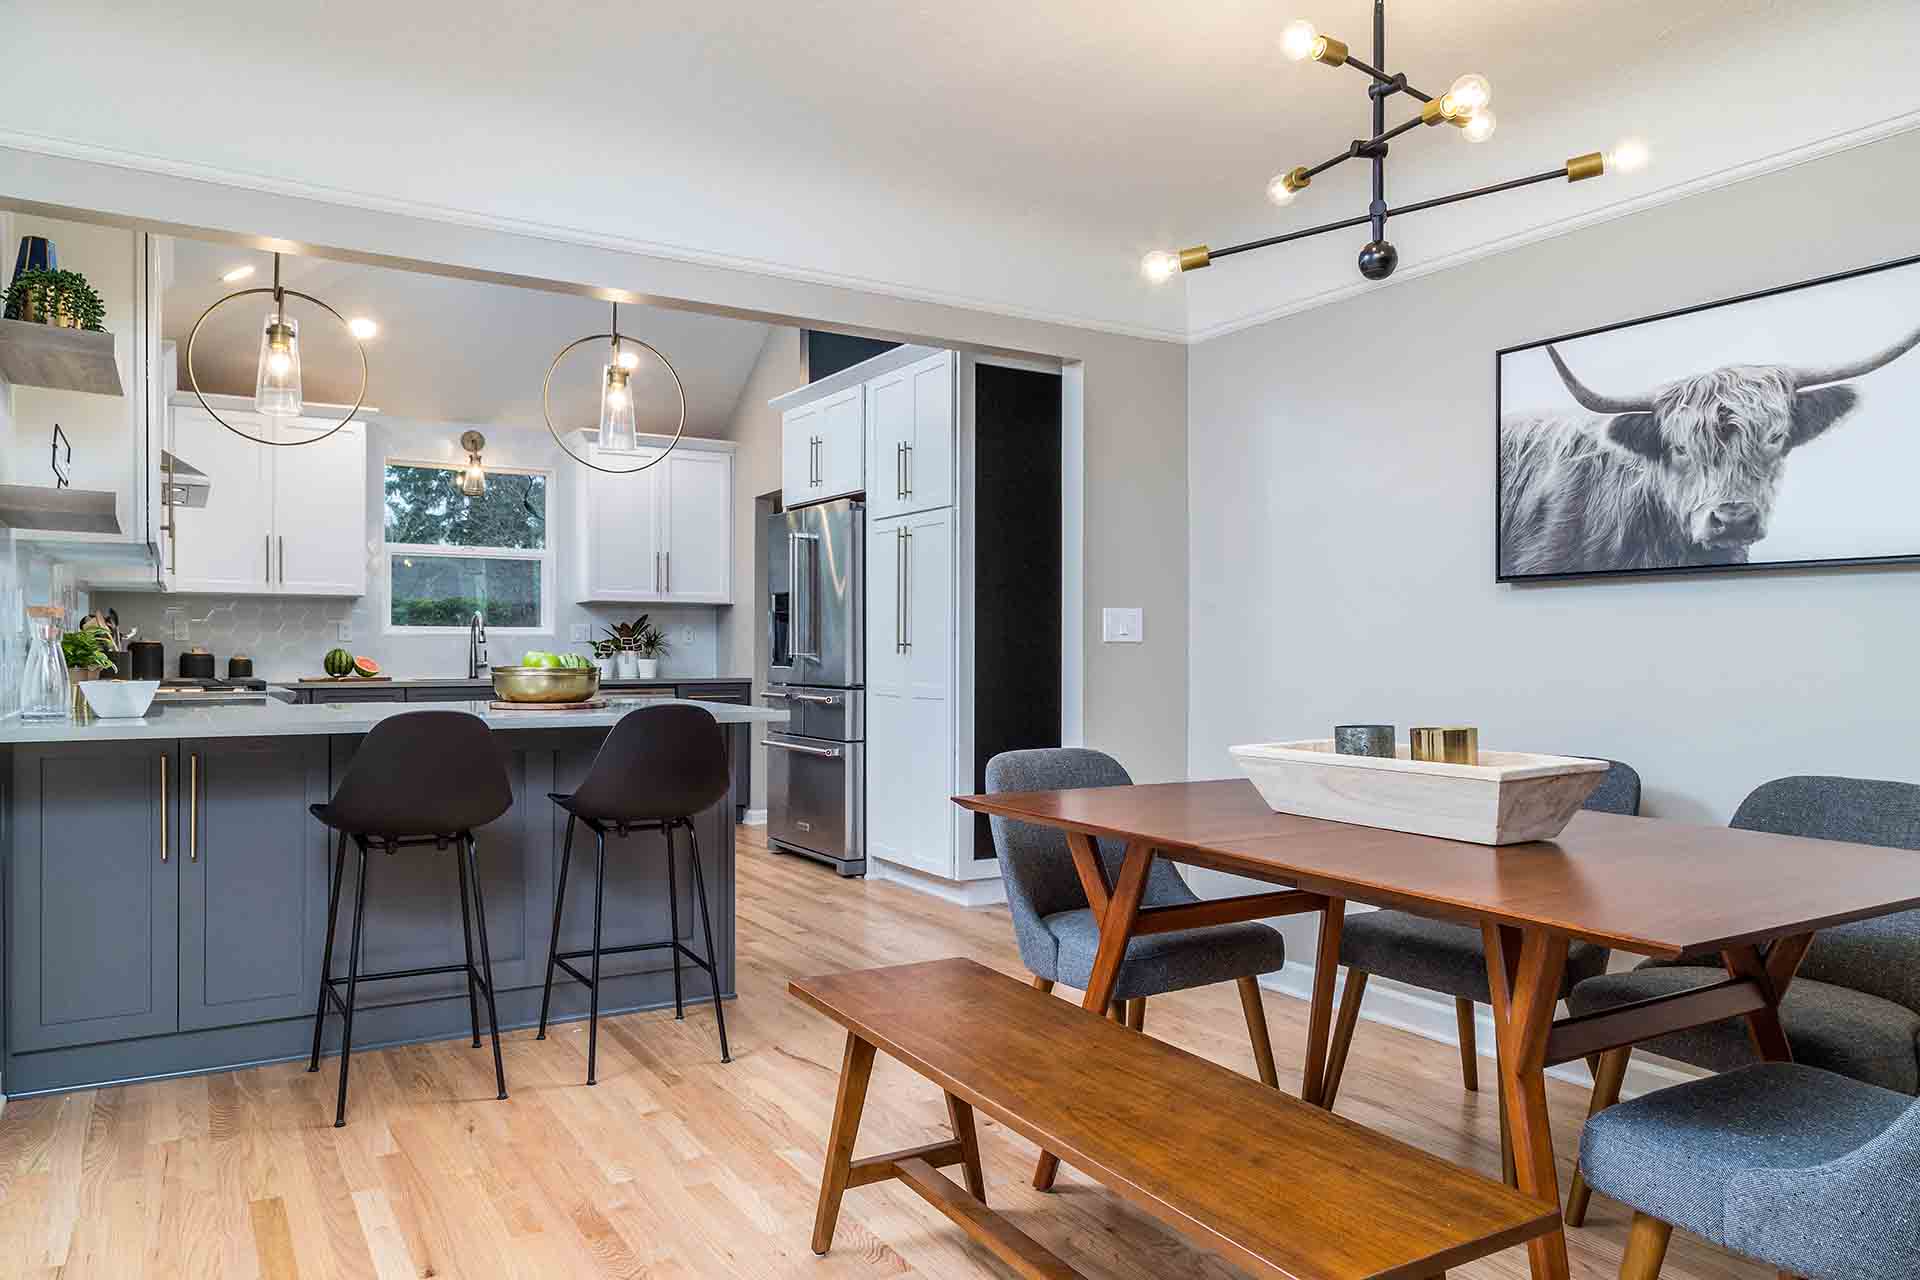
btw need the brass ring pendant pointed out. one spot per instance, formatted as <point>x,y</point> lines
<point>546,403</point>
<point>193,381</point>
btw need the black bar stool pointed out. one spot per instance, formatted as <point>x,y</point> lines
<point>658,768</point>
<point>419,778</point>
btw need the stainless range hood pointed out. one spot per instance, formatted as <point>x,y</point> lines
<point>52,510</point>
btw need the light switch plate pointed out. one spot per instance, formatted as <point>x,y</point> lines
<point>1122,626</point>
<point>343,630</point>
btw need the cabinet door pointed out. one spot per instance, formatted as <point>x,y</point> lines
<point>927,461</point>
<point>799,455</point>
<point>94,894</point>
<point>909,686</point>
<point>622,552</point>
<point>319,510</point>
<point>842,467</point>
<point>225,546</point>
<point>889,432</point>
<point>697,538</point>
<point>253,879</point>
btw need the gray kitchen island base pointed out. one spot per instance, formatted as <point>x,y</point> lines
<point>166,896</point>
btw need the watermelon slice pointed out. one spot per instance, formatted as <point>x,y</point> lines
<point>366,667</point>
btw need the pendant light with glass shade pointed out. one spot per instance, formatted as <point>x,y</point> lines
<point>277,389</point>
<point>473,476</point>
<point>619,425</point>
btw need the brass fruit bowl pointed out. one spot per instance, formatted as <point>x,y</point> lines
<point>545,684</point>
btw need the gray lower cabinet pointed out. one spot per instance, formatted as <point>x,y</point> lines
<point>253,884</point>
<point>94,894</point>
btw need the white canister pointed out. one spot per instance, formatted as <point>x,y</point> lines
<point>646,669</point>
<point>626,665</point>
<point>605,667</point>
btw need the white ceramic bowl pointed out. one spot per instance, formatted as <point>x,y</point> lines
<point>119,699</point>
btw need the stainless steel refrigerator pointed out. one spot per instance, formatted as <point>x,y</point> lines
<point>816,620</point>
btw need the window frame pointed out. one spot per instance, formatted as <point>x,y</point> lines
<point>544,557</point>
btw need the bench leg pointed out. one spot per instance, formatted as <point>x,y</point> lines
<point>855,1070</point>
<point>960,1113</point>
<point>1350,997</point>
<point>1606,1092</point>
<point>1646,1249</point>
<point>1256,1015</point>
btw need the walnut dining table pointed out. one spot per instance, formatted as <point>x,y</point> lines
<point>1654,887</point>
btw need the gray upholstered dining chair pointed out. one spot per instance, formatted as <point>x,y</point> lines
<point>1804,1170</point>
<point>1449,958</point>
<point>1854,1008</point>
<point>1056,929</point>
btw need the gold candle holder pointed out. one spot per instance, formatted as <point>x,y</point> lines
<point>1447,745</point>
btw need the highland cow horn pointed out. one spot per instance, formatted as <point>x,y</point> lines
<point>1804,378</point>
<point>1592,399</point>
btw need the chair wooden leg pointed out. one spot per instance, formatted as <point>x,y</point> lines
<point>1137,1014</point>
<point>1606,1091</point>
<point>960,1113</point>
<point>1508,1170</point>
<point>1351,995</point>
<point>1256,1014</point>
<point>1646,1249</point>
<point>1043,985</point>
<point>1117,1012</point>
<point>855,1070</point>
<point>1469,1050</point>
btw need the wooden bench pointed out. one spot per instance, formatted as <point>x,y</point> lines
<point>1275,1186</point>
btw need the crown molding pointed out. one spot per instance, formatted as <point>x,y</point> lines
<point>1833,144</point>
<point>67,149</point>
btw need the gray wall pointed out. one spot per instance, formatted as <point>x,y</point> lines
<point>1340,480</point>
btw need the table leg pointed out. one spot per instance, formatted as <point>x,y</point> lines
<point>1774,972</point>
<point>1320,1015</point>
<point>1525,970</point>
<point>1116,930</point>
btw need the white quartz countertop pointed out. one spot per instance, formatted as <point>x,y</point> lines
<point>273,719</point>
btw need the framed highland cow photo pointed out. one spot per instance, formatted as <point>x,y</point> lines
<point>1775,430</point>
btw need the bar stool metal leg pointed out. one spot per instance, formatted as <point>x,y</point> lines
<point>706,929</point>
<point>486,961</point>
<point>593,988</point>
<point>673,923</point>
<point>466,940</point>
<point>553,944</point>
<point>326,949</point>
<point>353,982</point>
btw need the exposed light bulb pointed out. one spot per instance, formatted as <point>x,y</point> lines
<point>278,362</point>
<point>237,274</point>
<point>1468,96</point>
<point>1160,266</point>
<point>1278,191</point>
<point>362,328</point>
<point>616,397</point>
<point>1629,155</point>
<point>1480,126</point>
<point>1299,41</point>
<point>276,383</point>
<point>617,432</point>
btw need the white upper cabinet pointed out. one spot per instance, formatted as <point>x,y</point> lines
<point>662,535</point>
<point>910,430</point>
<point>279,520</point>
<point>823,448</point>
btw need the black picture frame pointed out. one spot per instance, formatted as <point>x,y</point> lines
<point>1763,567</point>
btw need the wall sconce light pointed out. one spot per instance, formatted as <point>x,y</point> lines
<point>473,476</point>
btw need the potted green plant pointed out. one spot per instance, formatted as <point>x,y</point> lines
<point>85,653</point>
<point>641,644</point>
<point>63,299</point>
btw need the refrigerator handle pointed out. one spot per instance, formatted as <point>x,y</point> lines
<point>803,628</point>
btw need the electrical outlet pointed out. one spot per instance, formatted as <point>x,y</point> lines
<point>580,632</point>
<point>686,635</point>
<point>343,630</point>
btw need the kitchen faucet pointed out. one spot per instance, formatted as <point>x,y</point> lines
<point>476,646</point>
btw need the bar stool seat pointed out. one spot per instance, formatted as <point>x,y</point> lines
<point>658,767</point>
<point>420,779</point>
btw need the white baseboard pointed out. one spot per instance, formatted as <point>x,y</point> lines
<point>1425,1014</point>
<point>754,818</point>
<point>965,893</point>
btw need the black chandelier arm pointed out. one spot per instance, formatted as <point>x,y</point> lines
<point>1364,146</point>
<point>1387,83</point>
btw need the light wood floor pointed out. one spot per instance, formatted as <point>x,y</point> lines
<point>673,1165</point>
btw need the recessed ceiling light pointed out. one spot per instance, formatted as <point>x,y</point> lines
<point>237,274</point>
<point>362,328</point>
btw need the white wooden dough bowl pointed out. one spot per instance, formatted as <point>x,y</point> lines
<point>1508,798</point>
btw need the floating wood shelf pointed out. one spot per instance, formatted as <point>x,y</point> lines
<point>41,355</point>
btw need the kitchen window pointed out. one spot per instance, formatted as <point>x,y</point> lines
<point>450,556</point>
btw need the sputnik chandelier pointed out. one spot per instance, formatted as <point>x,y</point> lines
<point>1464,106</point>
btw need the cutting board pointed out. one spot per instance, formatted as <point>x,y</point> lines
<point>342,679</point>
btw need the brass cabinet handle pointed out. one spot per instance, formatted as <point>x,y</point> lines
<point>163,806</point>
<point>193,807</point>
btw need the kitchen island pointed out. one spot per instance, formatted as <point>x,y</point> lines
<point>166,890</point>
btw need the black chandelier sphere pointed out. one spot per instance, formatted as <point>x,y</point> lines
<point>1378,259</point>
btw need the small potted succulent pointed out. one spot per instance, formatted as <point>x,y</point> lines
<point>638,647</point>
<point>63,299</point>
<point>603,657</point>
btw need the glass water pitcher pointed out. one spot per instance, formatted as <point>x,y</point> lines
<point>44,693</point>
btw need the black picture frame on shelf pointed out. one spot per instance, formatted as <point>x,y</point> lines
<point>1773,430</point>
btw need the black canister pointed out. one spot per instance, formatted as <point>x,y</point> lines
<point>196,664</point>
<point>149,659</point>
<point>122,668</point>
<point>239,668</point>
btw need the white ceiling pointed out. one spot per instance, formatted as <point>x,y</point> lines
<point>1002,153</point>
<point>451,350</point>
